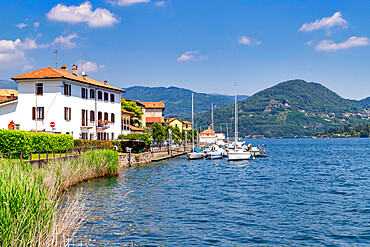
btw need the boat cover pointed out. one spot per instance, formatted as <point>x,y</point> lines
<point>196,149</point>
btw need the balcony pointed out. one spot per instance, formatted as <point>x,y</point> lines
<point>104,124</point>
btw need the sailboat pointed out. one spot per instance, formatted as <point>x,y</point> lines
<point>195,152</point>
<point>240,151</point>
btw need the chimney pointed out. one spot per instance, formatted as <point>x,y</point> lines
<point>74,69</point>
<point>64,67</point>
<point>105,82</point>
<point>12,96</point>
<point>83,74</point>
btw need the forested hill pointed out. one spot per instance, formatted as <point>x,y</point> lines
<point>288,109</point>
<point>8,84</point>
<point>365,103</point>
<point>178,100</point>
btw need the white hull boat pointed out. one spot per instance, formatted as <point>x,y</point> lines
<point>195,156</point>
<point>238,154</point>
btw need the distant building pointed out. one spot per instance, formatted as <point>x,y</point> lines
<point>153,113</point>
<point>78,105</point>
<point>142,108</point>
<point>175,123</point>
<point>136,130</point>
<point>126,122</point>
<point>187,125</point>
<point>210,136</point>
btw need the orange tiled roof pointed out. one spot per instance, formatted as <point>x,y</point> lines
<point>156,105</point>
<point>169,120</point>
<point>126,112</point>
<point>154,120</point>
<point>50,72</point>
<point>3,99</point>
<point>8,92</point>
<point>186,122</point>
<point>208,131</point>
<point>134,128</point>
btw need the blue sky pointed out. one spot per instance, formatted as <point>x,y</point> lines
<point>203,45</point>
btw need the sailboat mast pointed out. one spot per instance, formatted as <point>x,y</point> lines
<point>236,116</point>
<point>212,114</point>
<point>192,117</point>
<point>227,132</point>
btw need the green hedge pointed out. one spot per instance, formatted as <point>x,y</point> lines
<point>22,141</point>
<point>93,143</point>
<point>144,137</point>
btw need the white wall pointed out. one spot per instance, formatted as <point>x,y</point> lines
<point>53,100</point>
<point>8,114</point>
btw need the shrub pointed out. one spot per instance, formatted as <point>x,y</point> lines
<point>93,143</point>
<point>22,141</point>
<point>144,137</point>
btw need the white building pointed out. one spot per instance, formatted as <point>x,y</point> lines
<point>78,105</point>
<point>210,136</point>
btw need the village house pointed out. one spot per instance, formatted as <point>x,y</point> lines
<point>187,125</point>
<point>175,123</point>
<point>210,136</point>
<point>153,113</point>
<point>142,108</point>
<point>76,104</point>
<point>126,122</point>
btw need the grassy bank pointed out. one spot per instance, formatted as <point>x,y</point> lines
<point>30,213</point>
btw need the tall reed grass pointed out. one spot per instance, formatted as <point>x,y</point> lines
<point>30,209</point>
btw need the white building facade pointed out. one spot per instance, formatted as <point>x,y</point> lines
<point>78,105</point>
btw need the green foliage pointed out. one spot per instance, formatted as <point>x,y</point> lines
<point>93,143</point>
<point>134,145</point>
<point>358,130</point>
<point>144,137</point>
<point>28,195</point>
<point>178,100</point>
<point>26,208</point>
<point>365,103</point>
<point>131,106</point>
<point>158,132</point>
<point>176,133</point>
<point>23,141</point>
<point>289,109</point>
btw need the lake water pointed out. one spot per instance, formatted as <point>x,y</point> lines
<point>307,192</point>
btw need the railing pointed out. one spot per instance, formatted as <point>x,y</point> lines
<point>46,155</point>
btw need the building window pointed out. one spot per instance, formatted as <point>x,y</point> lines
<point>112,117</point>
<point>105,96</point>
<point>92,116</point>
<point>106,116</point>
<point>84,93</point>
<point>84,136</point>
<point>67,90</point>
<point>112,136</point>
<point>67,113</point>
<point>92,94</point>
<point>100,115</point>
<point>84,118</point>
<point>100,95</point>
<point>112,98</point>
<point>39,87</point>
<point>39,113</point>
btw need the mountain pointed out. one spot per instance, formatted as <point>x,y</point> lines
<point>293,108</point>
<point>365,103</point>
<point>178,100</point>
<point>8,85</point>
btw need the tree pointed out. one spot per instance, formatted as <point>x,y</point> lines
<point>158,132</point>
<point>131,106</point>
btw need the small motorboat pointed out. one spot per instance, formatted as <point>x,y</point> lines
<point>195,154</point>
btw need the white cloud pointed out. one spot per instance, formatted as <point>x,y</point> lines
<point>36,25</point>
<point>66,41</point>
<point>309,42</point>
<point>12,53</point>
<point>88,66</point>
<point>83,14</point>
<point>191,56</point>
<point>244,40</point>
<point>160,3</point>
<point>126,2</point>
<point>329,45</point>
<point>327,23</point>
<point>21,25</point>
